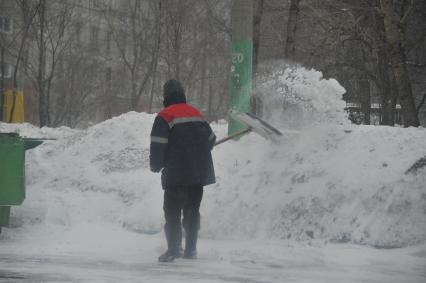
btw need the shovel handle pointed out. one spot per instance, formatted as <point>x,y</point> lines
<point>234,135</point>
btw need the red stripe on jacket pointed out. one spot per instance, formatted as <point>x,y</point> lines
<point>181,110</point>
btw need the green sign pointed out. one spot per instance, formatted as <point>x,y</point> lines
<point>241,72</point>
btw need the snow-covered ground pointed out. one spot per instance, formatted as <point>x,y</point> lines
<point>287,212</point>
<point>326,204</point>
<point>92,253</point>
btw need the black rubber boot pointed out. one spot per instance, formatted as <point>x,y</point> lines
<point>190,244</point>
<point>174,245</point>
<point>179,249</point>
<point>166,257</point>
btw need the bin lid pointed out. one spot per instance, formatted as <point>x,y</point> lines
<point>12,135</point>
<point>30,143</point>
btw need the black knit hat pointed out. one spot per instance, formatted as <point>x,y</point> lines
<point>173,93</point>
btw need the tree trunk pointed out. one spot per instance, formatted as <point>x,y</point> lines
<point>151,95</point>
<point>210,101</point>
<point>290,45</point>
<point>395,39</point>
<point>43,103</point>
<point>257,19</point>
<point>27,19</point>
<point>133,96</point>
<point>176,51</point>
<point>384,72</point>
<point>387,90</point>
<point>388,95</point>
<point>108,103</point>
<point>364,87</point>
<point>201,95</point>
<point>2,82</point>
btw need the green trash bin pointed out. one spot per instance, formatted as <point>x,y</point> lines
<point>12,169</point>
<point>12,172</point>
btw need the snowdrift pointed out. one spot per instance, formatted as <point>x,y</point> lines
<point>335,183</point>
<point>343,184</point>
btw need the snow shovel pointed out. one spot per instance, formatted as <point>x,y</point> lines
<point>254,124</point>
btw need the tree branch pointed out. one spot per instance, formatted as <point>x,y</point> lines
<point>407,12</point>
<point>419,65</point>
<point>422,102</point>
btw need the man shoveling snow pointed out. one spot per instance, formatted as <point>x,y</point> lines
<point>181,144</point>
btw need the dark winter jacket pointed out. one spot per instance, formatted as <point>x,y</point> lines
<point>181,142</point>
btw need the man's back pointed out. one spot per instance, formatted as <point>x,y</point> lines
<point>188,159</point>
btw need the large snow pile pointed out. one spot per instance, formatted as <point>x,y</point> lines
<point>98,175</point>
<point>332,182</point>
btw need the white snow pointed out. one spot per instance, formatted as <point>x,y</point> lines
<point>90,191</point>
<point>304,94</point>
<point>330,182</point>
<point>277,212</point>
<point>95,253</point>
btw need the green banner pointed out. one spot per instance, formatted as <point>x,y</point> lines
<point>241,72</point>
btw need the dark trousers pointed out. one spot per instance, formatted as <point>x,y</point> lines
<point>178,200</point>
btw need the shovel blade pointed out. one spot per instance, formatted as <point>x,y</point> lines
<point>257,125</point>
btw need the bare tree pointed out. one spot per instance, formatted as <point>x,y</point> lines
<point>257,19</point>
<point>75,85</point>
<point>137,37</point>
<point>28,12</point>
<point>290,46</point>
<point>394,15</point>
<point>40,82</point>
<point>385,75</point>
<point>47,43</point>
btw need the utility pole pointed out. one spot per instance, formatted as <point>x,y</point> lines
<point>242,54</point>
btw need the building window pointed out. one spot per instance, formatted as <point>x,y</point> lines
<point>122,41</point>
<point>96,4</point>
<point>111,5</point>
<point>108,42</point>
<point>94,37</point>
<point>78,29</point>
<point>108,74</point>
<point>7,70</point>
<point>5,25</point>
<point>60,68</point>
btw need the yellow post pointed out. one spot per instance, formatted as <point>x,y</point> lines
<point>18,113</point>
